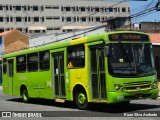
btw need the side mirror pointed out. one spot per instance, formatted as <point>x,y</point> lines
<point>106,50</point>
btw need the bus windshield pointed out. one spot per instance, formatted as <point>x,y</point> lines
<point>131,59</point>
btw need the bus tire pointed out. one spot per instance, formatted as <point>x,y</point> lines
<point>24,95</point>
<point>81,100</point>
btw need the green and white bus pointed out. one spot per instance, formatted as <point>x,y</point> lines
<point>113,67</point>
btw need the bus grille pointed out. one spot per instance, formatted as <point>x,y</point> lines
<point>136,86</point>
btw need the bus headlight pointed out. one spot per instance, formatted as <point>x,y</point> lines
<point>154,85</point>
<point>117,87</point>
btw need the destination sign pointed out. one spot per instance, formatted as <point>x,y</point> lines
<point>128,37</point>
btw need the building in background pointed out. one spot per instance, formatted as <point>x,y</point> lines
<point>155,39</point>
<point>13,40</point>
<point>149,27</point>
<point>40,16</point>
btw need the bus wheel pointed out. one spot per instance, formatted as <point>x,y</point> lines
<point>24,95</point>
<point>81,100</point>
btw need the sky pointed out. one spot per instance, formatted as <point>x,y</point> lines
<point>151,17</point>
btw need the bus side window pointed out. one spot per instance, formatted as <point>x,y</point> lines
<point>44,58</point>
<point>76,57</point>
<point>4,66</point>
<point>32,62</point>
<point>21,63</point>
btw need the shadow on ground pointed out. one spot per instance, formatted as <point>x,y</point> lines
<point>96,107</point>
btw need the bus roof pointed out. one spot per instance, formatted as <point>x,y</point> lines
<point>60,44</point>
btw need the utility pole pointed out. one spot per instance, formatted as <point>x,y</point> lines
<point>130,23</point>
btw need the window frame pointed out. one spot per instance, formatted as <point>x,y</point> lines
<point>4,66</point>
<point>41,61</point>
<point>25,63</point>
<point>75,49</point>
<point>33,62</point>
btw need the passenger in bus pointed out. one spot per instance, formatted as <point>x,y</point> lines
<point>70,65</point>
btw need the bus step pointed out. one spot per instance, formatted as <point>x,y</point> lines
<point>60,100</point>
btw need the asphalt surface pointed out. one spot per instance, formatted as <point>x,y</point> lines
<point>48,109</point>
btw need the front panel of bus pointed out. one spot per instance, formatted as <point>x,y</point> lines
<point>130,67</point>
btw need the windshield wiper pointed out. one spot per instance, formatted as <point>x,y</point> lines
<point>142,53</point>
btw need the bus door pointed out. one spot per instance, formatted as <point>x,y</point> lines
<point>97,67</point>
<point>58,75</point>
<point>10,75</point>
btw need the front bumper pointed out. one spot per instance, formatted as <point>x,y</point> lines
<point>115,97</point>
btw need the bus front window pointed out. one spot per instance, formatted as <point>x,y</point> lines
<point>134,59</point>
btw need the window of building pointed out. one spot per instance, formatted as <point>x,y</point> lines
<point>42,8</point>
<point>55,7</point>
<point>26,30</point>
<point>48,7</point>
<point>110,9</point>
<point>49,17</point>
<point>62,19</point>
<point>83,9</point>
<point>37,31</point>
<point>88,8</point>
<point>56,17</point>
<point>11,19</point>
<point>35,8</point>
<point>89,19</point>
<point>18,8</point>
<point>97,19</point>
<point>42,19</point>
<point>1,19</point>
<point>74,19</point>
<point>25,19</point>
<point>77,9</point>
<point>57,28</point>
<point>21,63</point>
<point>19,28</point>
<point>68,8</point>
<point>74,8</point>
<point>36,19</point>
<point>4,66</point>
<point>10,7</point>
<point>123,9</point>
<point>28,8</point>
<point>115,9</point>
<point>76,56</point>
<point>29,19</point>
<point>118,9</point>
<point>62,8</point>
<point>7,19</point>
<point>24,8</point>
<point>77,18</point>
<point>49,28</point>
<point>18,19</point>
<point>68,19</point>
<point>91,9</point>
<point>32,62</point>
<point>128,9</point>
<point>97,9</point>
<point>6,7</point>
<point>1,30</point>
<point>44,62</point>
<point>83,19</point>
<point>1,7</point>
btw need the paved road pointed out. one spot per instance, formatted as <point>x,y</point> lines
<point>10,103</point>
